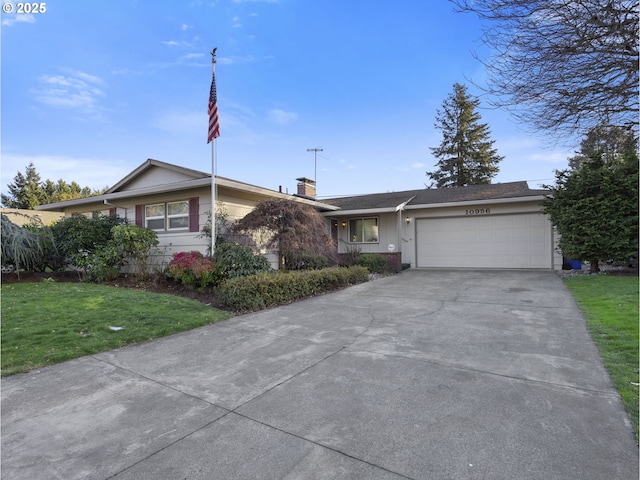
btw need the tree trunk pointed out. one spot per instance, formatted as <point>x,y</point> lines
<point>594,267</point>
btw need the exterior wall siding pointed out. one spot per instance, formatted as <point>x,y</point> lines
<point>387,234</point>
<point>156,176</point>
<point>400,229</point>
<point>233,206</point>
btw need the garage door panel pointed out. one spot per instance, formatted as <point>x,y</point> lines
<point>501,241</point>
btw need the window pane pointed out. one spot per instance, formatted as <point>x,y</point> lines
<point>363,230</point>
<point>370,229</point>
<point>355,231</point>
<point>154,210</point>
<point>157,224</point>
<point>178,208</point>
<point>179,222</point>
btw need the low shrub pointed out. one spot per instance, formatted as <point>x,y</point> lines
<point>305,261</point>
<point>374,262</point>
<point>101,265</point>
<point>78,233</point>
<point>258,292</point>
<point>196,270</point>
<point>239,261</point>
<point>129,244</point>
<point>137,245</point>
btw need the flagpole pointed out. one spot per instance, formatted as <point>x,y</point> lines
<point>213,170</point>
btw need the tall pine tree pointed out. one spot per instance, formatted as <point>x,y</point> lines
<point>595,209</point>
<point>611,142</point>
<point>28,191</point>
<point>466,155</point>
<point>25,191</point>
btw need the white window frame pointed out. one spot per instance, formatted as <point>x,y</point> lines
<point>166,217</point>
<point>177,215</point>
<point>155,217</point>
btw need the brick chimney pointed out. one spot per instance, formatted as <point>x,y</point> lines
<point>306,188</point>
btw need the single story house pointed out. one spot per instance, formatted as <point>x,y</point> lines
<point>481,226</point>
<point>176,202</point>
<point>478,226</point>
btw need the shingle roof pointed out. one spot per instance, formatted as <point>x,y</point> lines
<point>429,196</point>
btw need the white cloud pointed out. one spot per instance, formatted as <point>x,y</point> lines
<point>95,173</point>
<point>418,165</point>
<point>235,59</point>
<point>76,89</point>
<point>551,157</point>
<point>190,56</point>
<point>520,148</point>
<point>84,76</point>
<point>174,43</point>
<point>22,18</point>
<point>280,117</point>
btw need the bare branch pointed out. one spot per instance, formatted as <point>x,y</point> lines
<point>562,66</point>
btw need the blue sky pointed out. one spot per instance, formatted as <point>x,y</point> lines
<point>90,90</point>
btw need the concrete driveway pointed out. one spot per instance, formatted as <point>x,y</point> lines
<point>423,375</point>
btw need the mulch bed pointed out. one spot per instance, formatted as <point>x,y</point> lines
<point>613,270</point>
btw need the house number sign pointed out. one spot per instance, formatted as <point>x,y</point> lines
<point>477,211</point>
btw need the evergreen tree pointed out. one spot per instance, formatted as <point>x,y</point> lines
<point>595,210</point>
<point>466,154</point>
<point>610,141</point>
<point>25,191</point>
<point>28,191</point>
<point>61,191</point>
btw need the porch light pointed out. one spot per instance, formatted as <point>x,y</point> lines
<point>344,224</point>
<point>408,219</point>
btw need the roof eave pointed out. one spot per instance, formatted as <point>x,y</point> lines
<point>173,187</point>
<point>150,162</point>
<point>532,198</point>
<point>409,206</point>
<point>366,211</point>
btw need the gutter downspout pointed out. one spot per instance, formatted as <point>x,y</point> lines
<point>107,202</point>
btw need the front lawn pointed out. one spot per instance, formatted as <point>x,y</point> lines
<point>610,306</point>
<point>49,322</point>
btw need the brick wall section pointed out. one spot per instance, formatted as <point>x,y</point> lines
<point>394,260</point>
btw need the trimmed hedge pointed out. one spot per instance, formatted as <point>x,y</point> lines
<point>375,262</point>
<point>239,261</point>
<point>257,292</point>
<point>306,261</point>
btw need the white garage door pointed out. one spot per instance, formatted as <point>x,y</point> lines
<point>485,241</point>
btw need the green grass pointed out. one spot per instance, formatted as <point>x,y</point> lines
<point>610,306</point>
<point>46,323</point>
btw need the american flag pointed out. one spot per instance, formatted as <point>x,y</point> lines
<point>214,124</point>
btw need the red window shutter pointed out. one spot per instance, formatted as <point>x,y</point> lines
<point>112,212</point>
<point>194,215</point>
<point>140,215</point>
